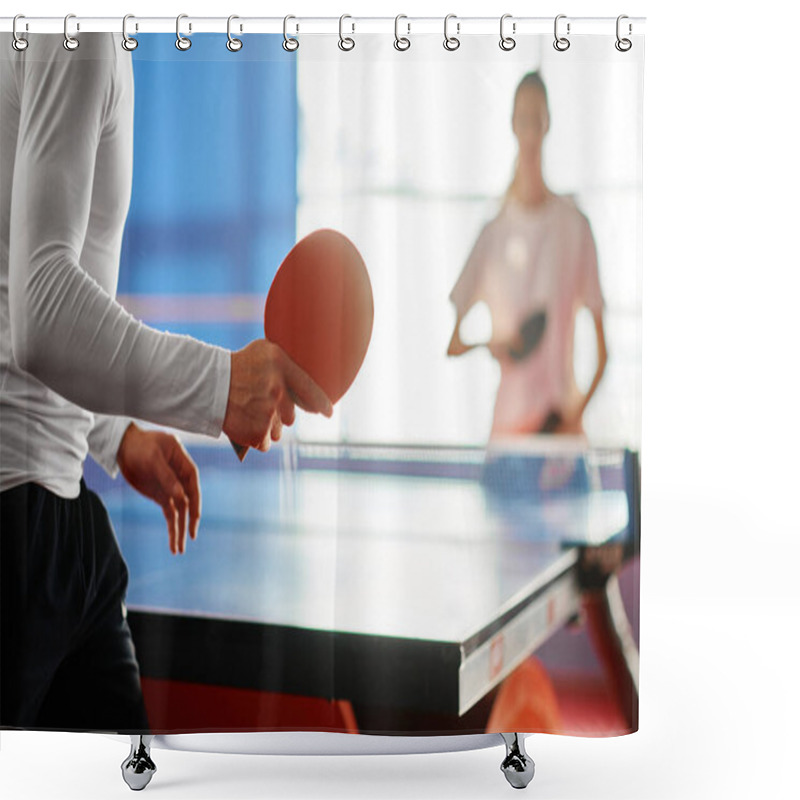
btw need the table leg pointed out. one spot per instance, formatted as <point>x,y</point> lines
<point>611,636</point>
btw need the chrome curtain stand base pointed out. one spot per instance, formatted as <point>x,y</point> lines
<point>138,768</point>
<point>517,766</point>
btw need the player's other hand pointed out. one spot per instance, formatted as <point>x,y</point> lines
<point>266,385</point>
<point>501,351</point>
<point>507,349</point>
<point>157,466</point>
<point>457,347</point>
<point>571,421</point>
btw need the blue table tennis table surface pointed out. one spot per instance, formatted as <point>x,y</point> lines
<point>435,550</point>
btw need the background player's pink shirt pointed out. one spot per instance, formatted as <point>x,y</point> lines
<point>526,260</point>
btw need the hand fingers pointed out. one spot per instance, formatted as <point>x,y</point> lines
<point>172,526</point>
<point>276,428</point>
<point>303,390</point>
<point>187,473</point>
<point>282,415</point>
<point>182,509</point>
<point>274,432</point>
<point>286,409</point>
<point>174,502</point>
<point>264,444</point>
<point>178,505</point>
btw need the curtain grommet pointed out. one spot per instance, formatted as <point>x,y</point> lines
<point>561,43</point>
<point>623,44</point>
<point>71,43</point>
<point>451,43</point>
<point>233,44</point>
<point>507,43</point>
<point>346,43</point>
<point>401,43</point>
<point>129,43</point>
<point>182,42</point>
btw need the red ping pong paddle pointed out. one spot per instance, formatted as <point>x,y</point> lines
<point>319,310</point>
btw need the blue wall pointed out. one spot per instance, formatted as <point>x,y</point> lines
<point>214,188</point>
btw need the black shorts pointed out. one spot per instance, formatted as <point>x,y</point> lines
<point>67,660</point>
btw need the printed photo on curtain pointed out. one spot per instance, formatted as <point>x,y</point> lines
<point>429,521</point>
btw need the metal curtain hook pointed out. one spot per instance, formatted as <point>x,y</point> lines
<point>346,43</point>
<point>289,42</point>
<point>128,42</point>
<point>451,42</point>
<point>561,43</point>
<point>507,42</point>
<point>70,42</point>
<point>18,43</point>
<point>623,45</point>
<point>233,44</point>
<point>181,42</point>
<point>401,42</point>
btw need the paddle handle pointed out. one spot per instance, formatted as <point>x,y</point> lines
<point>239,449</point>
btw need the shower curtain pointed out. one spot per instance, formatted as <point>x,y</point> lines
<point>455,549</point>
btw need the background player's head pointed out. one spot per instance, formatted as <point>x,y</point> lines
<point>530,120</point>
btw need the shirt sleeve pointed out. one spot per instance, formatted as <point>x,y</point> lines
<point>104,441</point>
<point>466,291</point>
<point>66,329</point>
<point>591,293</point>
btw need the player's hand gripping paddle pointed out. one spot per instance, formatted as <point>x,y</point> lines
<point>528,338</point>
<point>319,310</point>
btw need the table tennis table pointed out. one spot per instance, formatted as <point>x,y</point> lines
<point>406,581</point>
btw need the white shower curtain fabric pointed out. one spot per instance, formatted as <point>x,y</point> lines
<point>455,549</point>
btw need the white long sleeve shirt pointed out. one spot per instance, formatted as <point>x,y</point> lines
<point>74,365</point>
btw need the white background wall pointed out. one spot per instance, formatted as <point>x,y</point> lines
<point>720,599</point>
